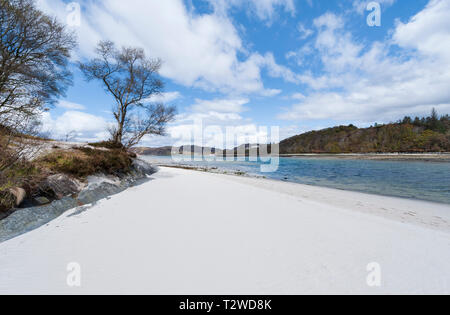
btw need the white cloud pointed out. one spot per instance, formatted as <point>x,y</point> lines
<point>265,9</point>
<point>329,21</point>
<point>299,55</point>
<point>198,50</point>
<point>275,70</point>
<point>370,83</point>
<point>428,32</point>
<point>298,96</point>
<point>70,105</point>
<point>166,97</point>
<point>220,105</point>
<point>304,31</point>
<point>82,125</point>
<point>271,92</point>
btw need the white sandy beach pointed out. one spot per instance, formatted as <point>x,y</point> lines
<point>188,232</point>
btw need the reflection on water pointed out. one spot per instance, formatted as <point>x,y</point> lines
<point>409,179</point>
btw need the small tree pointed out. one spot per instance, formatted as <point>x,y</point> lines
<point>132,79</point>
<point>435,123</point>
<point>407,120</point>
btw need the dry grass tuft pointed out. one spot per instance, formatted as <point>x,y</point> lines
<point>83,162</point>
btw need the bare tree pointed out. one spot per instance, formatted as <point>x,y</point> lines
<point>132,79</point>
<point>34,55</point>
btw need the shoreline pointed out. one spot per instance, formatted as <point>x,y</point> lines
<point>218,170</point>
<point>438,218</point>
<point>233,235</point>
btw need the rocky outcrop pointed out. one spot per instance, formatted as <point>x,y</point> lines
<point>141,168</point>
<point>60,186</point>
<point>73,195</point>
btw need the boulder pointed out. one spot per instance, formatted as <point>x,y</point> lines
<point>60,186</point>
<point>19,195</point>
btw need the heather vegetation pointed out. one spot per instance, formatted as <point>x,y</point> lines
<point>418,135</point>
<point>82,162</point>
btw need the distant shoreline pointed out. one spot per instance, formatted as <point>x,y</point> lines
<point>423,157</point>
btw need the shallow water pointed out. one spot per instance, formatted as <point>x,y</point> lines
<point>408,179</point>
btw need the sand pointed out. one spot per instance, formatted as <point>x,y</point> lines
<point>187,232</point>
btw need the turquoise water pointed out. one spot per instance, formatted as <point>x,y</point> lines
<point>408,179</point>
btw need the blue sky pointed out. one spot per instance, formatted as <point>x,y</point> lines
<point>296,64</point>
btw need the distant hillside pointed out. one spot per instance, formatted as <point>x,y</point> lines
<point>430,134</point>
<point>164,151</point>
<point>419,135</point>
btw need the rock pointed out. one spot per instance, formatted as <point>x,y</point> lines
<point>19,195</point>
<point>60,186</point>
<point>143,167</point>
<point>41,201</point>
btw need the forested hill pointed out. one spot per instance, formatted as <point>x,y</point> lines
<point>430,134</point>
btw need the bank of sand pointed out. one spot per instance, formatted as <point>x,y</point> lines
<point>187,232</point>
